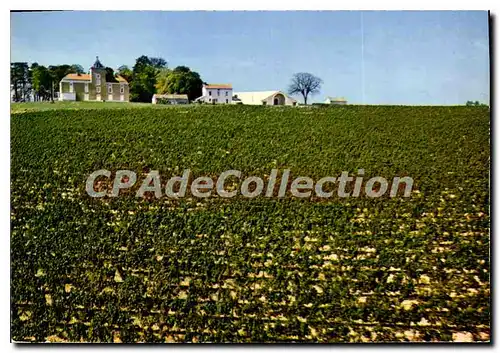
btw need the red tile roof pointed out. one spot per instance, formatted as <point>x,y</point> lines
<point>219,85</point>
<point>76,77</point>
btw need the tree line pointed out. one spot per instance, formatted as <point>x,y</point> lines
<point>38,80</point>
<point>475,104</point>
<point>148,76</point>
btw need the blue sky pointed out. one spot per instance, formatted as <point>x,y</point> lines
<point>377,57</point>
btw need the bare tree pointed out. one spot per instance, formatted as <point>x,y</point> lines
<point>305,83</point>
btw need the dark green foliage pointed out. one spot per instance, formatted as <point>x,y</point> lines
<point>475,103</point>
<point>180,80</point>
<point>41,82</point>
<point>110,75</point>
<point>142,86</point>
<point>59,71</point>
<point>19,81</point>
<point>262,270</point>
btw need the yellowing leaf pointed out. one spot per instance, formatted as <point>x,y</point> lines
<point>118,277</point>
<point>48,299</point>
<point>318,289</point>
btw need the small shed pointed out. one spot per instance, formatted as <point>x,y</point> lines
<point>170,99</point>
<point>335,100</point>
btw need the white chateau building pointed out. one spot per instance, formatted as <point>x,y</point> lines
<point>216,94</point>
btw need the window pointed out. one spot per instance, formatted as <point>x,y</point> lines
<point>71,87</point>
<point>218,92</point>
<point>209,99</point>
<point>209,93</point>
<point>227,100</point>
<point>122,89</point>
<point>110,89</point>
<point>98,89</point>
<point>86,88</point>
<point>98,76</point>
<point>226,93</point>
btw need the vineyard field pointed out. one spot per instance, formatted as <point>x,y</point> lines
<point>129,269</point>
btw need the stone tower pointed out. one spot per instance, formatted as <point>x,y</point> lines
<point>98,77</point>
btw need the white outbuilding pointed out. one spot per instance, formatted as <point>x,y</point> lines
<point>263,98</point>
<point>335,100</point>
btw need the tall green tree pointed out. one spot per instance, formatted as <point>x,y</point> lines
<point>180,80</point>
<point>162,81</point>
<point>144,75</point>
<point>41,81</point>
<point>20,81</point>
